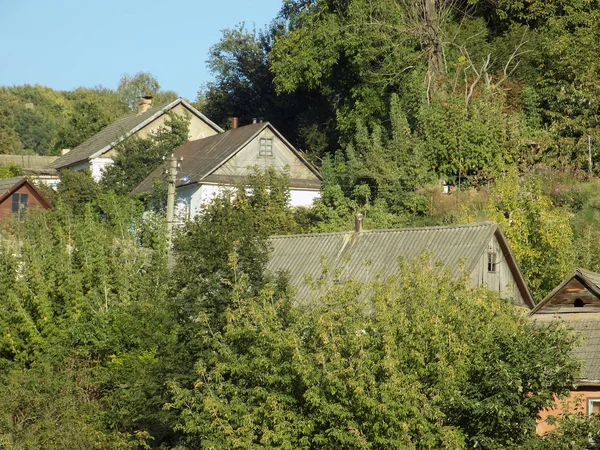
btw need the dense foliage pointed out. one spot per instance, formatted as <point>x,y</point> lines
<point>105,343</point>
<point>39,120</point>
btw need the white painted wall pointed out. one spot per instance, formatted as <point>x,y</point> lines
<point>96,166</point>
<point>299,197</point>
<point>191,199</point>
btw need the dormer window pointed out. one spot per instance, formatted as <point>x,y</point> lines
<point>266,147</point>
<point>492,262</point>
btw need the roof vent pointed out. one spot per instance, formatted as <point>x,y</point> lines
<point>578,303</point>
<point>254,120</point>
<point>64,151</point>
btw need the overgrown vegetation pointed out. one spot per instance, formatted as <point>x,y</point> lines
<point>105,344</point>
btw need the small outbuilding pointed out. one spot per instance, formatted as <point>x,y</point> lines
<point>17,196</point>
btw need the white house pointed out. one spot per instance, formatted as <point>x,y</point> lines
<point>217,162</point>
<point>98,151</point>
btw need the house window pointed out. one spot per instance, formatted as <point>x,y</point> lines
<point>593,406</point>
<point>266,147</point>
<point>19,204</point>
<point>492,262</point>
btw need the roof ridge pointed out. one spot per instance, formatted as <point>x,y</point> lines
<point>487,223</point>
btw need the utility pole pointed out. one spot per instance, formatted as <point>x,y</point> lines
<point>171,180</point>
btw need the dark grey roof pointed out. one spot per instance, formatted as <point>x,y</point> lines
<point>31,164</point>
<point>587,328</point>
<point>364,255</point>
<point>109,136</point>
<point>6,184</point>
<point>203,156</point>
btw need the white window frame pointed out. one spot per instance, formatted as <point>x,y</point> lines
<point>590,402</point>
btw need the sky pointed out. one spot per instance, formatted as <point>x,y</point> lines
<point>66,44</point>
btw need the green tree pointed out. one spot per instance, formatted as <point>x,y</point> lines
<point>540,234</point>
<point>10,170</point>
<point>244,88</point>
<point>133,87</point>
<point>414,361</point>
<point>137,157</point>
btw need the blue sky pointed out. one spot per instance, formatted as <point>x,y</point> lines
<point>65,44</point>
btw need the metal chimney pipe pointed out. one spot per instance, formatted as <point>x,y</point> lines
<point>254,120</point>
<point>358,223</point>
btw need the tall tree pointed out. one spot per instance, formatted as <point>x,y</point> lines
<point>244,88</point>
<point>133,87</point>
<point>136,157</point>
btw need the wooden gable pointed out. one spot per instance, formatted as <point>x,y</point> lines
<point>22,185</point>
<point>577,294</point>
<point>280,156</point>
<point>494,272</point>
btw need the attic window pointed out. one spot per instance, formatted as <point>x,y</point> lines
<point>266,147</point>
<point>19,204</point>
<point>578,303</point>
<point>492,262</point>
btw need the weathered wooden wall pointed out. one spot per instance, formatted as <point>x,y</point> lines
<point>34,201</point>
<point>502,280</point>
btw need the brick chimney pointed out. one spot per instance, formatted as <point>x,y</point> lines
<point>234,123</point>
<point>145,103</point>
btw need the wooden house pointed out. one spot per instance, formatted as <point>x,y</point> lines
<point>480,250</point>
<point>17,196</point>
<point>217,162</point>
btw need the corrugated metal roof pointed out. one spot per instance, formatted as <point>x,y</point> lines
<point>587,327</point>
<point>119,130</point>
<point>363,256</point>
<point>591,277</point>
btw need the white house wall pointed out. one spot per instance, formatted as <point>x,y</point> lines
<point>192,199</point>
<point>502,280</point>
<point>299,197</point>
<point>95,165</point>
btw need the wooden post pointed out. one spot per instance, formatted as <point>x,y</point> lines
<point>590,166</point>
